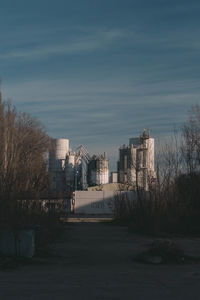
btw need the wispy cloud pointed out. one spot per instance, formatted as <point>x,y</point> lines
<point>101,39</point>
<point>105,109</point>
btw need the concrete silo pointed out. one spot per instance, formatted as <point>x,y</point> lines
<point>57,158</point>
<point>70,167</point>
<point>98,170</point>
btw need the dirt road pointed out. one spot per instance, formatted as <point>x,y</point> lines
<point>95,261</point>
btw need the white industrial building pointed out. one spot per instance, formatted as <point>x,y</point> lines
<point>136,162</point>
<point>77,170</point>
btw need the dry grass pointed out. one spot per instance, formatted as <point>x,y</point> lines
<point>159,212</point>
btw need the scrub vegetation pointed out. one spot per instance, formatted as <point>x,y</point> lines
<point>172,203</point>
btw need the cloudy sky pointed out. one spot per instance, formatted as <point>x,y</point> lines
<point>100,71</point>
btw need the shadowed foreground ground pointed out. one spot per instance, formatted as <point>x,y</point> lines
<point>94,261</point>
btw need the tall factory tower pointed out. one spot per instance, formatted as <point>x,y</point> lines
<point>57,160</point>
<point>136,162</point>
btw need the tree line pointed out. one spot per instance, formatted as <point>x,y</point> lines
<point>173,200</point>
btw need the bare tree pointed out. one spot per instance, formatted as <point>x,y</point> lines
<point>191,141</point>
<point>24,144</point>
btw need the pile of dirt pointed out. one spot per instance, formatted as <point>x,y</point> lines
<point>164,252</point>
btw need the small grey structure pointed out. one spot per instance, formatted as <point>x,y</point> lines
<point>114,177</point>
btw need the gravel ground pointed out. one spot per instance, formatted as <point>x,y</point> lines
<point>94,260</point>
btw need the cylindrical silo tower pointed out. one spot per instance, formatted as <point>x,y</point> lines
<point>60,149</point>
<point>103,170</point>
<point>98,171</point>
<point>70,167</point>
<point>57,157</point>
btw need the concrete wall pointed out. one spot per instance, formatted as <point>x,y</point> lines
<point>100,202</point>
<point>94,202</point>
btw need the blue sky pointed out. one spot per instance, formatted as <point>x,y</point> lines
<point>99,72</point>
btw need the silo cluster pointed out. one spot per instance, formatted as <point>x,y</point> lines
<point>75,170</point>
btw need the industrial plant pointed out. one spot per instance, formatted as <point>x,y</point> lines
<point>76,170</point>
<point>136,162</point>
